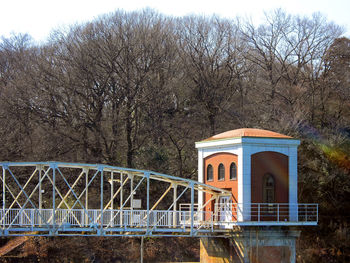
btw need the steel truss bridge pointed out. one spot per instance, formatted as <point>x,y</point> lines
<point>63,199</point>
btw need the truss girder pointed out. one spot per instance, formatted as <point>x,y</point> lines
<point>49,186</point>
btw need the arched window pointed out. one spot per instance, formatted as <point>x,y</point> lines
<point>210,172</point>
<point>233,171</point>
<point>221,172</point>
<point>269,189</point>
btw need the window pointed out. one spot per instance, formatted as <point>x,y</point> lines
<point>221,172</point>
<point>269,189</point>
<point>233,171</point>
<point>210,173</point>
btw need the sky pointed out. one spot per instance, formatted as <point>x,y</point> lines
<point>39,17</point>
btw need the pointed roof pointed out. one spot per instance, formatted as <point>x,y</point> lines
<point>248,132</point>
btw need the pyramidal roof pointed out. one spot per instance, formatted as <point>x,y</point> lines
<point>247,132</point>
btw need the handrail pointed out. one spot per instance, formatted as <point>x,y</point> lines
<point>225,216</point>
<point>73,217</point>
<point>260,212</point>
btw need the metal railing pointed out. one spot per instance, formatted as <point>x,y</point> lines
<point>66,218</point>
<point>262,213</point>
<point>225,216</point>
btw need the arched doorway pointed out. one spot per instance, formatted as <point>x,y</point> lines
<point>269,186</point>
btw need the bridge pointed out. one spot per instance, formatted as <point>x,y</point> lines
<point>59,199</point>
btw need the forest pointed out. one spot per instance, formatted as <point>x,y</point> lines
<point>138,89</point>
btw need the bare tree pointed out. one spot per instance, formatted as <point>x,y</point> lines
<point>289,51</point>
<point>208,59</point>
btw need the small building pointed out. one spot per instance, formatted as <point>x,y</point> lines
<point>259,168</point>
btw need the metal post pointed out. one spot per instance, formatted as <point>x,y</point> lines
<point>175,204</point>
<point>40,195</point>
<point>121,198</point>
<point>147,201</point>
<point>3,188</point>
<point>112,190</point>
<point>259,212</point>
<point>21,218</point>
<point>54,195</point>
<point>40,189</point>
<point>86,171</point>
<point>192,207</point>
<point>31,217</point>
<point>141,257</point>
<point>112,193</point>
<point>3,195</point>
<point>101,201</point>
<point>132,198</point>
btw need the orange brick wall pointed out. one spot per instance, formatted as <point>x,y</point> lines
<point>276,164</point>
<point>261,164</point>
<point>226,159</point>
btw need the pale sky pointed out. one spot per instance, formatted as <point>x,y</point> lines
<point>39,17</point>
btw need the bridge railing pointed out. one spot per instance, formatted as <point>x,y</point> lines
<point>225,214</point>
<point>262,213</point>
<point>111,218</point>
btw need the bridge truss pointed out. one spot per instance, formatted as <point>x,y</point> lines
<point>62,199</point>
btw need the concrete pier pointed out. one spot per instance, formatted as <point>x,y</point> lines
<point>251,244</point>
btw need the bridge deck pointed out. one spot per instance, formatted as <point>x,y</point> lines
<point>128,222</point>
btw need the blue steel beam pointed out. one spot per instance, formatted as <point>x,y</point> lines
<point>73,192</point>
<point>53,167</point>
<point>24,192</point>
<point>101,168</point>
